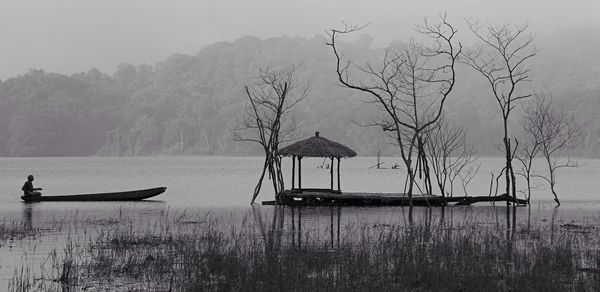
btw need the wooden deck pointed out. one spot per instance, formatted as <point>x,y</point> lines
<point>316,197</point>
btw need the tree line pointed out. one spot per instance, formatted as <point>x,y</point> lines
<point>188,104</point>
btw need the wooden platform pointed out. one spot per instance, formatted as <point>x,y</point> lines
<point>316,197</point>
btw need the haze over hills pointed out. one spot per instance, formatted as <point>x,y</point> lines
<point>70,36</point>
<point>188,104</point>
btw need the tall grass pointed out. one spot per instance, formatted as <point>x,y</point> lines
<point>262,253</point>
<point>15,231</point>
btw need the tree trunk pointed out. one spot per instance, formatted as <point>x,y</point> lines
<point>555,195</point>
<point>508,162</point>
<point>552,181</point>
<point>260,180</point>
<point>411,176</point>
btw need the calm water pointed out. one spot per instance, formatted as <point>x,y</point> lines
<point>223,186</point>
<point>229,181</point>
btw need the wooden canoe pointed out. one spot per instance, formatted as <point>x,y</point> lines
<point>115,196</point>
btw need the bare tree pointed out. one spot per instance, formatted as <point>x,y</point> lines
<point>526,155</point>
<point>448,154</point>
<point>497,180</point>
<point>267,122</point>
<point>409,87</point>
<point>502,61</point>
<point>531,142</point>
<point>554,130</point>
<point>467,174</point>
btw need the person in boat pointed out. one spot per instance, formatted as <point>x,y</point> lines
<point>28,189</point>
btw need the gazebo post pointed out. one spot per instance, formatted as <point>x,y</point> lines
<point>293,171</point>
<point>300,173</point>
<point>338,173</point>
<point>331,171</point>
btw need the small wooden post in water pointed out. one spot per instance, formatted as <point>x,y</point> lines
<point>300,173</point>
<point>293,171</point>
<point>338,173</point>
<point>331,172</point>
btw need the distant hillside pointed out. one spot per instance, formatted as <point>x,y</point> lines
<point>189,104</point>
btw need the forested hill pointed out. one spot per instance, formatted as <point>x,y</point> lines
<point>189,104</point>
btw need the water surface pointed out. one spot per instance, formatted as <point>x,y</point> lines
<point>222,186</point>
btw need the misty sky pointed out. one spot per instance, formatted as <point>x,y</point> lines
<point>69,36</point>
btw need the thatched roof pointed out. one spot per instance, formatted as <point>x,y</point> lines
<point>317,147</point>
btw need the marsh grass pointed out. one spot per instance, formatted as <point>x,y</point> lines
<point>267,252</point>
<point>15,231</point>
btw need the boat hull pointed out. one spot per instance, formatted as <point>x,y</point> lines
<point>135,195</point>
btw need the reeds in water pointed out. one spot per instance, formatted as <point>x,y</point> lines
<point>207,252</point>
<point>15,230</point>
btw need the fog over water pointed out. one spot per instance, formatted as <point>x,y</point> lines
<point>70,36</point>
<point>111,96</point>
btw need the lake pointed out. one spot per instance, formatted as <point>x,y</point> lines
<point>229,181</point>
<point>224,185</point>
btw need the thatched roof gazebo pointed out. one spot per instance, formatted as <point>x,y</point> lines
<point>316,147</point>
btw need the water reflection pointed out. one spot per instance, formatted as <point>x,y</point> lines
<point>296,226</point>
<point>28,215</point>
<point>299,232</point>
<point>554,212</point>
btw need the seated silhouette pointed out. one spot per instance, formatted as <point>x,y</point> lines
<point>29,190</point>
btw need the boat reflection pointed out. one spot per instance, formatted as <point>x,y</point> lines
<point>28,215</point>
